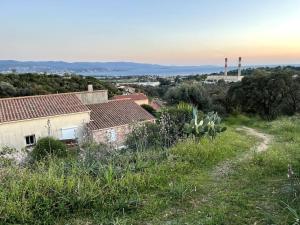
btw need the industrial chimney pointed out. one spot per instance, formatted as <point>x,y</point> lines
<point>225,71</point>
<point>240,67</point>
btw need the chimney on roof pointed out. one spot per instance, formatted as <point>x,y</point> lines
<point>240,67</point>
<point>225,71</point>
<point>90,88</point>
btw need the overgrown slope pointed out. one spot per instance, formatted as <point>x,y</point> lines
<point>174,186</point>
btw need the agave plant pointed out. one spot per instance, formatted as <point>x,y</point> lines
<point>210,125</point>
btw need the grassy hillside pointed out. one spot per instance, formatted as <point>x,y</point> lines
<point>258,191</point>
<point>176,186</point>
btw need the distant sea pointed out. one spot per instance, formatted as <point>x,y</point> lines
<point>104,68</point>
<point>154,72</point>
<point>108,68</point>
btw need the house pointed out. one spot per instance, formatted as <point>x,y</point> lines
<point>112,121</point>
<point>138,98</point>
<point>67,117</point>
<point>24,120</point>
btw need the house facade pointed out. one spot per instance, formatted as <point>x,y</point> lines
<point>25,133</point>
<point>26,119</point>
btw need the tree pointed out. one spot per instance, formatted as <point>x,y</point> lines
<point>266,95</point>
<point>194,94</point>
<point>149,109</point>
<point>163,81</point>
<point>7,90</point>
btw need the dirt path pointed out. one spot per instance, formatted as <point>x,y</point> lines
<point>225,168</point>
<point>222,170</point>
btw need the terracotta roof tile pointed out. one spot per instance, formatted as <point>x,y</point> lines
<point>116,113</point>
<point>21,108</point>
<point>137,96</point>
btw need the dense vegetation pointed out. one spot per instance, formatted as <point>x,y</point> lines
<point>37,84</point>
<point>207,97</point>
<point>48,146</point>
<point>266,95</point>
<point>265,71</point>
<point>174,185</point>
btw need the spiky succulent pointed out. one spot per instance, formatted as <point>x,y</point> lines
<point>210,125</point>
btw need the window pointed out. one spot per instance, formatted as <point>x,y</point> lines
<point>112,135</point>
<point>30,140</point>
<point>68,133</point>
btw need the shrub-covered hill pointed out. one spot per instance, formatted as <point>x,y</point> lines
<point>12,85</point>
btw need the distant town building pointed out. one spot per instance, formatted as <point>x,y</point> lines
<point>148,83</point>
<point>126,89</point>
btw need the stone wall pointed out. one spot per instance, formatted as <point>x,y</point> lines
<point>106,136</point>
<point>115,136</point>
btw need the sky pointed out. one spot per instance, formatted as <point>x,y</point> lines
<point>169,32</point>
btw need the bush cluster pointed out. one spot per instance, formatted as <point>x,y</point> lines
<point>267,95</point>
<point>168,129</point>
<point>206,97</point>
<point>48,146</point>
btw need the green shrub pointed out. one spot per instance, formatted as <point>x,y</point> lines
<point>179,115</point>
<point>195,94</point>
<point>48,146</point>
<point>149,109</point>
<point>144,136</point>
<point>5,160</point>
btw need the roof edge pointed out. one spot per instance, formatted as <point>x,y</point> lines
<point>123,125</point>
<point>44,117</point>
<point>65,93</point>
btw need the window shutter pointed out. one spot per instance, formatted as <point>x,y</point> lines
<point>69,133</point>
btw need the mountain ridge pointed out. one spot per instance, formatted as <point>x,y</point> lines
<point>103,68</point>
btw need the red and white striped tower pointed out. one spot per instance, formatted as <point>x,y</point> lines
<point>225,71</point>
<point>240,67</point>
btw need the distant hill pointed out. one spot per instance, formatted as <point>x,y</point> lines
<point>103,68</point>
<point>14,85</point>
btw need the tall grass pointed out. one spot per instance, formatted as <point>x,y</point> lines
<point>162,184</point>
<point>62,188</point>
<point>258,191</point>
<point>124,185</point>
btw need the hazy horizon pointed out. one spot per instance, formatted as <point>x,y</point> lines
<point>157,32</point>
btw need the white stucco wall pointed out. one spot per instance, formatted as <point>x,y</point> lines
<point>13,134</point>
<point>93,97</point>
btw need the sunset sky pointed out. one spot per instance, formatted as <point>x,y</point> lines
<point>171,32</point>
